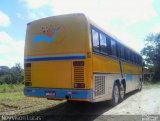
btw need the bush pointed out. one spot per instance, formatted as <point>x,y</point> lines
<point>11,87</point>
<point>14,75</point>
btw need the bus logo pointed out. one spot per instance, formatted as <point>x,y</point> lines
<point>48,35</point>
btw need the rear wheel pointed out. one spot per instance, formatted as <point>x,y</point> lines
<point>140,85</point>
<point>115,95</point>
<point>122,92</point>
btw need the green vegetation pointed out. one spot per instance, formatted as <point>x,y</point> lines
<point>151,54</point>
<point>12,103</point>
<point>14,75</point>
<point>11,87</point>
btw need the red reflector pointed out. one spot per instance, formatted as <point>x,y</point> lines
<point>79,85</point>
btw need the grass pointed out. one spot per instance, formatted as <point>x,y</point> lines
<point>16,103</point>
<point>13,101</point>
<point>11,87</point>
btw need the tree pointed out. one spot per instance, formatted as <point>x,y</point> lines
<point>17,73</point>
<point>12,75</point>
<point>151,53</point>
<point>4,70</point>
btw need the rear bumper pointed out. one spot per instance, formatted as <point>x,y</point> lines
<point>51,93</point>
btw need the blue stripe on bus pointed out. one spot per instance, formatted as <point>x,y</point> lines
<point>54,58</point>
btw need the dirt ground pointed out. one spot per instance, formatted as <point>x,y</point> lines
<point>146,102</point>
<point>137,106</point>
<point>142,106</point>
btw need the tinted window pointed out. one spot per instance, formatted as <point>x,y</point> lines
<point>95,38</point>
<point>113,48</point>
<point>134,55</point>
<point>140,60</point>
<point>103,43</point>
<point>136,59</point>
<point>119,50</point>
<point>108,45</point>
<point>122,52</point>
<point>130,56</point>
<point>127,54</point>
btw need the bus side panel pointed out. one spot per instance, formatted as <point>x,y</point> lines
<point>105,64</point>
<point>106,70</point>
<point>132,74</point>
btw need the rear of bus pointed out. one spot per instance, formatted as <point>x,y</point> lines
<point>57,58</point>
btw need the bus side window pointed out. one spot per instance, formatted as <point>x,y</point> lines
<point>108,45</point>
<point>118,49</point>
<point>122,52</point>
<point>140,60</point>
<point>132,57</point>
<point>127,54</point>
<point>95,39</point>
<point>103,43</point>
<point>113,48</point>
<point>135,58</point>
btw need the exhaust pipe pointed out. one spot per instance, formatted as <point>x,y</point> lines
<point>67,97</point>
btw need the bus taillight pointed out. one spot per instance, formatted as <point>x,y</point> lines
<point>78,63</point>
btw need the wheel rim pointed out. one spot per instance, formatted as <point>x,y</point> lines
<point>140,85</point>
<point>116,94</point>
<point>122,92</point>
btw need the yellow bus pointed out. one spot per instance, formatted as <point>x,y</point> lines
<point>69,57</point>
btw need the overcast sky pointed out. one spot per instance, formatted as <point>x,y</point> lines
<point>128,20</point>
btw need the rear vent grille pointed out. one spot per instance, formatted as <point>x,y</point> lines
<point>99,85</point>
<point>28,74</point>
<point>78,71</point>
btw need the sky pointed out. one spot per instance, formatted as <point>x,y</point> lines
<point>129,20</point>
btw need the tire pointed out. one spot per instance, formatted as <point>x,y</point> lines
<point>140,85</point>
<point>115,95</point>
<point>122,92</point>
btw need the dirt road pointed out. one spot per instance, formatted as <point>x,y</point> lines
<point>136,106</point>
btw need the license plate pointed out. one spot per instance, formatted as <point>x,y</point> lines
<point>50,93</point>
